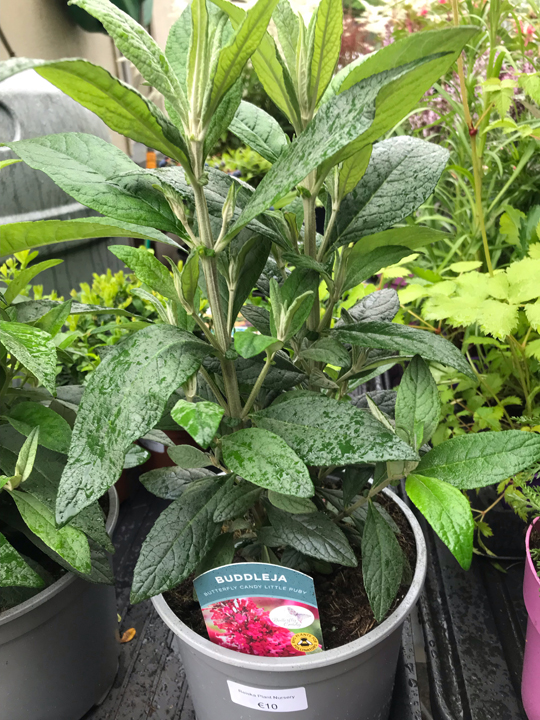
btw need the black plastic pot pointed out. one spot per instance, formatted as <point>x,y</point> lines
<point>58,650</point>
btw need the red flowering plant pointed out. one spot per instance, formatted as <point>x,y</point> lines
<point>269,408</point>
<point>246,627</point>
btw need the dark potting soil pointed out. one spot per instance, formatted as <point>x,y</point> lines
<point>343,604</point>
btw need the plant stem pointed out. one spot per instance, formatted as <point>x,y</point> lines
<point>219,397</point>
<point>328,232</point>
<point>310,249</point>
<point>477,169</point>
<point>210,270</point>
<point>363,500</point>
<point>258,385</point>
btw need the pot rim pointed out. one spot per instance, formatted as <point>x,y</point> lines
<point>328,657</point>
<point>530,563</point>
<point>67,579</point>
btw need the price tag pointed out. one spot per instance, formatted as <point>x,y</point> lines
<point>274,700</point>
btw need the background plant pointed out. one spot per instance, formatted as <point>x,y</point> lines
<point>265,408</point>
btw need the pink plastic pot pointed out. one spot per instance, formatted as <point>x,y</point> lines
<point>530,684</point>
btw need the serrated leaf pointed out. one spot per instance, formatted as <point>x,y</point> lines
<point>291,504</point>
<point>237,502</point>
<point>315,535</point>
<point>200,419</point>
<point>69,543</point>
<point>188,457</point>
<point>263,458</point>
<point>260,131</point>
<point>16,237</point>
<point>120,106</point>
<point>138,47</point>
<point>417,402</point>
<point>33,348</point>
<point>382,563</point>
<point>480,459</point>
<point>54,431</point>
<point>124,398</point>
<point>401,175</point>
<point>326,432</point>
<point>179,540</point>
<point>100,176</point>
<point>448,512</point>
<point>408,340</point>
<point>14,570</point>
<point>170,482</point>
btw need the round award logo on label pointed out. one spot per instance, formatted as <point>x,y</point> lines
<point>306,642</point>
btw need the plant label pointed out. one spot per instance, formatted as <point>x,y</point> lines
<point>274,700</point>
<point>260,609</point>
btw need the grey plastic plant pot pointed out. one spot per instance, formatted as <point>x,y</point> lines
<point>58,650</point>
<point>352,682</point>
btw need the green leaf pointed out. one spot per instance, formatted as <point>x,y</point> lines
<point>315,535</point>
<point>100,176</point>
<point>135,456</point>
<point>401,175</point>
<point>361,266</point>
<point>33,348</point>
<point>326,432</point>
<point>120,106</point>
<point>327,46</point>
<point>263,458</point>
<point>221,553</point>
<point>54,431</point>
<point>26,276</point>
<point>124,398</point>
<point>266,64</point>
<point>188,457</point>
<point>408,340</point>
<point>251,261</point>
<point>170,482</point>
<point>178,44</point>
<point>248,343</point>
<point>53,320</point>
<point>328,351</point>
<point>180,539</point>
<point>417,404</point>
<point>234,56</point>
<point>448,511</point>
<point>223,116</point>
<point>237,502</point>
<point>190,278</point>
<point>287,24</point>
<point>259,130</point>
<point>148,269</point>
<point>355,479</point>
<point>352,170</point>
<point>200,419</point>
<point>27,455</point>
<point>335,126</point>
<point>291,504</point>
<point>412,237</point>
<point>259,317</point>
<point>139,47</point>
<point>14,570</point>
<point>480,459</point>
<point>382,563</point>
<point>398,99</point>
<point>69,543</point>
<point>16,237</point>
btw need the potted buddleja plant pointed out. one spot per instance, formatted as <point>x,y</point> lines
<point>283,473</point>
<point>57,603</point>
